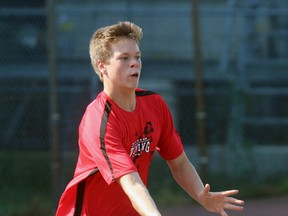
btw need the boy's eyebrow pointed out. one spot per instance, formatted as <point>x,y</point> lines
<point>126,53</point>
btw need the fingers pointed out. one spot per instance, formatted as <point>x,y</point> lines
<point>219,201</point>
<point>223,213</point>
<point>234,201</point>
<point>207,189</point>
<point>233,204</point>
<point>239,202</point>
<point>233,207</point>
<point>230,192</point>
<point>223,193</point>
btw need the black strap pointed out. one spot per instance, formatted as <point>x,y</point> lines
<point>80,194</point>
<point>79,198</point>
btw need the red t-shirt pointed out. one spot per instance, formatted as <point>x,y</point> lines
<point>113,143</point>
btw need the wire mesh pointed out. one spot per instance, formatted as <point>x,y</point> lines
<point>245,77</point>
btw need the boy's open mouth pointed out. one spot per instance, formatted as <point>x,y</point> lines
<point>136,74</point>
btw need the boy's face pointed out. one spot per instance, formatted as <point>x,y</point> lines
<point>124,66</point>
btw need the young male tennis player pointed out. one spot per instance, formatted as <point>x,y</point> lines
<point>119,134</point>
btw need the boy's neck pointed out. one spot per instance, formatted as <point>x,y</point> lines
<point>126,101</point>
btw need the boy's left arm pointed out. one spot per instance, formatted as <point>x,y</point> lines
<point>187,177</point>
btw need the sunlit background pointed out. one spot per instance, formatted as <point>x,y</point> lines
<point>221,65</point>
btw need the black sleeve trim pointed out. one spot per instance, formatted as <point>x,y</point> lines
<point>144,93</point>
<point>103,127</point>
<point>79,198</point>
<point>80,194</point>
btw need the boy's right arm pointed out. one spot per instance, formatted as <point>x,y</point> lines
<point>138,194</point>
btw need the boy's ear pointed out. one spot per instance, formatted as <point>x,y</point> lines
<point>102,67</point>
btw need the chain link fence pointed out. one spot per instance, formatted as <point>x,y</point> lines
<point>244,55</point>
<point>24,157</point>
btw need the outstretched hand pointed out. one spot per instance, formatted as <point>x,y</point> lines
<point>219,201</point>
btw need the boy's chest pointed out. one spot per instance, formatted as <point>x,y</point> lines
<point>140,133</point>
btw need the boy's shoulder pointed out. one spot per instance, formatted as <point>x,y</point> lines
<point>143,92</point>
<point>149,96</point>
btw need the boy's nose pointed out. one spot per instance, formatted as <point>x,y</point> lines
<point>135,63</point>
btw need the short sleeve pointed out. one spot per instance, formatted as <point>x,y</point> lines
<point>115,160</point>
<point>170,144</point>
<point>101,146</point>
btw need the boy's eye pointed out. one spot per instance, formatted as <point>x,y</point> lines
<point>126,58</point>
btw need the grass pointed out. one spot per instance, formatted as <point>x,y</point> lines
<point>25,184</point>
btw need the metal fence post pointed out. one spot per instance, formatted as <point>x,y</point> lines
<point>53,101</point>
<point>200,110</point>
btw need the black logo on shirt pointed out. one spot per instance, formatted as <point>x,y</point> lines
<point>143,142</point>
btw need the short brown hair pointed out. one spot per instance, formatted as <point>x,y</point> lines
<point>99,47</point>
